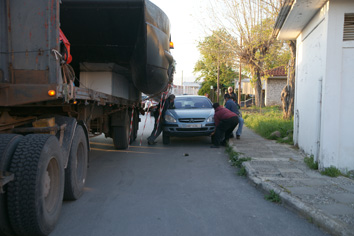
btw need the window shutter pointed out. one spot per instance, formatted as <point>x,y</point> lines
<point>348,27</point>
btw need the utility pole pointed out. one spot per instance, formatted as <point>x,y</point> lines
<point>182,84</point>
<point>218,82</point>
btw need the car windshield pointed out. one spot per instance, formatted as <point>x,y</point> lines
<point>192,103</point>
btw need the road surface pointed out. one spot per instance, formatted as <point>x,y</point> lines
<point>185,188</point>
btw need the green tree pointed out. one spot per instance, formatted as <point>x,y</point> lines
<point>215,65</point>
<point>249,25</point>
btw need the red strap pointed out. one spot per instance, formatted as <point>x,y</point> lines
<point>68,58</point>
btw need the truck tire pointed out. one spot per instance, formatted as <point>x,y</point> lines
<point>120,136</point>
<point>165,138</point>
<point>134,134</point>
<point>121,133</point>
<point>8,144</point>
<point>75,172</point>
<point>134,130</point>
<point>35,196</point>
<point>135,126</point>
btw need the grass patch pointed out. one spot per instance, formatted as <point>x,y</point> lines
<point>310,219</point>
<point>331,171</point>
<point>272,197</point>
<point>267,120</point>
<point>285,189</point>
<point>311,163</point>
<point>233,156</point>
<point>235,160</point>
<point>242,171</point>
<point>239,161</point>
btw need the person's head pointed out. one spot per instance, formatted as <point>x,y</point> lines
<point>216,105</point>
<point>227,96</point>
<point>172,97</point>
<point>230,89</point>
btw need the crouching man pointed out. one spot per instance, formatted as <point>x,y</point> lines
<point>225,122</point>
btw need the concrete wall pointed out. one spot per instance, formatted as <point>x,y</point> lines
<point>337,145</point>
<point>273,89</point>
<point>247,88</point>
<point>324,108</point>
<point>311,53</point>
<point>190,90</point>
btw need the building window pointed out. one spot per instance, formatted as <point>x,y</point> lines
<point>348,34</point>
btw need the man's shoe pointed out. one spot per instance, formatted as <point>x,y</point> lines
<point>237,136</point>
<point>214,146</point>
<point>151,142</point>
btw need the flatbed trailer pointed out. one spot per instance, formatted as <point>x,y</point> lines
<point>49,109</point>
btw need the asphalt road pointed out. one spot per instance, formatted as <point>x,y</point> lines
<point>185,188</point>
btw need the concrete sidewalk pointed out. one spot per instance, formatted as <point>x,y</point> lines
<point>325,201</point>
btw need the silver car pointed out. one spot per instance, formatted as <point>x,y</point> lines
<point>192,116</point>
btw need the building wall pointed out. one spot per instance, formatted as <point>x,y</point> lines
<point>247,88</point>
<point>337,145</point>
<point>177,90</point>
<point>310,72</point>
<point>190,90</point>
<point>324,108</point>
<point>273,89</point>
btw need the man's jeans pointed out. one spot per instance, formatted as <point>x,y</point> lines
<point>224,130</point>
<point>240,125</point>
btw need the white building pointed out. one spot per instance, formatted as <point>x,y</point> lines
<point>324,97</point>
<point>190,88</point>
<point>248,88</point>
<point>275,81</point>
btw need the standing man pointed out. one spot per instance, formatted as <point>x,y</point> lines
<point>232,106</point>
<point>225,122</point>
<point>230,91</point>
<point>169,104</point>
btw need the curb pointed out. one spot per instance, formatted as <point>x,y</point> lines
<point>316,216</point>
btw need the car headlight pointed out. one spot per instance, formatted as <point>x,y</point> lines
<point>210,119</point>
<point>170,119</point>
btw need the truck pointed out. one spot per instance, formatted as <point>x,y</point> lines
<point>70,70</point>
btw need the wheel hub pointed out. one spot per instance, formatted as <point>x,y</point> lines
<point>46,184</point>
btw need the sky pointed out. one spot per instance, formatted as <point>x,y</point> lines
<point>186,30</point>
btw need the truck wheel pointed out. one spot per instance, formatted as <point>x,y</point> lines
<point>165,138</point>
<point>120,136</point>
<point>75,173</point>
<point>120,130</point>
<point>35,196</point>
<point>8,144</point>
<point>135,126</point>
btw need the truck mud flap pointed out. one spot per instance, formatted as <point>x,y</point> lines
<point>69,130</point>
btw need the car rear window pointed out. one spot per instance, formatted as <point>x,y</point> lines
<point>192,103</point>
